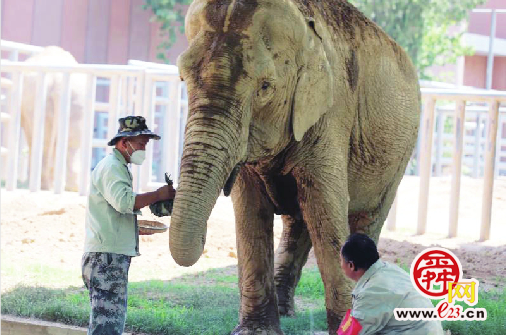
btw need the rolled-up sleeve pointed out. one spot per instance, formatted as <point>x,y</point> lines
<point>115,186</point>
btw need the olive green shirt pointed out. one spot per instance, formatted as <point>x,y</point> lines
<point>111,223</point>
<point>381,289</point>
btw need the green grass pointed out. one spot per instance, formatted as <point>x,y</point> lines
<point>204,303</point>
<point>208,303</point>
<point>494,302</point>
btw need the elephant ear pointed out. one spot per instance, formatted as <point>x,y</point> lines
<point>314,91</point>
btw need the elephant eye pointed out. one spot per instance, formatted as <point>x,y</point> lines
<point>265,85</point>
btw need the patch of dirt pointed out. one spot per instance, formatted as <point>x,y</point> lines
<point>47,229</point>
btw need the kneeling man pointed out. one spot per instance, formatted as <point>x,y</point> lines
<point>381,287</point>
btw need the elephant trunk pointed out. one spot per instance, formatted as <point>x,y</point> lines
<point>211,151</point>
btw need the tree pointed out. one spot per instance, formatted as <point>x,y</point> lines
<point>169,14</point>
<point>422,27</point>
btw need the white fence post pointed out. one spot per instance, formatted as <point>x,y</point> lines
<point>477,146</point>
<point>488,179</point>
<point>114,107</point>
<point>171,128</point>
<point>37,147</point>
<point>392,216</point>
<point>14,131</point>
<point>425,162</point>
<point>148,112</point>
<point>87,135</point>
<point>458,149</point>
<point>60,170</point>
<point>440,116</point>
<point>137,109</point>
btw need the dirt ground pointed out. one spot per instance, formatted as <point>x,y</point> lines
<point>48,230</point>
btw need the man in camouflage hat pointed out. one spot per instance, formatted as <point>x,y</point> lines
<point>112,234</point>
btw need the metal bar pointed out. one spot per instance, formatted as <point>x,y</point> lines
<point>490,58</point>
<point>97,69</point>
<point>87,135</point>
<point>14,132</point>
<point>425,163</point>
<point>60,170</point>
<point>21,47</point>
<point>488,179</point>
<point>468,95</point>
<point>37,147</point>
<point>457,167</point>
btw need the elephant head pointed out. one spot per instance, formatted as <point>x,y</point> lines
<point>249,68</point>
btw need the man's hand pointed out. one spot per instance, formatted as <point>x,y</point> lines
<point>166,192</point>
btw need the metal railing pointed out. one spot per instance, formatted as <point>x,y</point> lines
<point>461,97</point>
<point>132,90</point>
<point>156,92</point>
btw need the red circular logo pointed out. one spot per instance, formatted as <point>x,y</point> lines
<point>433,269</point>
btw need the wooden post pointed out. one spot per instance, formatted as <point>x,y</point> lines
<point>458,150</point>
<point>14,132</point>
<point>39,119</point>
<point>392,216</point>
<point>87,135</point>
<point>488,179</point>
<point>425,162</point>
<point>60,169</point>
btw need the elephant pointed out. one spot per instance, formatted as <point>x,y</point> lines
<point>53,82</point>
<point>303,109</point>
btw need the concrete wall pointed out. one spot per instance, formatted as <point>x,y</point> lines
<point>94,31</point>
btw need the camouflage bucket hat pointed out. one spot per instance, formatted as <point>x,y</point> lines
<point>132,126</point>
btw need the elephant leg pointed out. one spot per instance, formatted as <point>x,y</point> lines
<point>254,216</point>
<point>291,256</point>
<point>324,207</point>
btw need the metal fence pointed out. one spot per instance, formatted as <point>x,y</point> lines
<point>463,137</point>
<point>148,89</point>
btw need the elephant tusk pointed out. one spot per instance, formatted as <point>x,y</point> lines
<point>231,179</point>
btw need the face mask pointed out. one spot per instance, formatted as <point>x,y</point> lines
<point>138,156</point>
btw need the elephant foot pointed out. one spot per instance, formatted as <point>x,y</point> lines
<point>260,330</point>
<point>286,309</point>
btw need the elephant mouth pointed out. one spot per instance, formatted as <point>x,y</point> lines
<point>231,179</point>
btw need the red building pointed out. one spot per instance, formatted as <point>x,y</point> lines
<point>94,31</point>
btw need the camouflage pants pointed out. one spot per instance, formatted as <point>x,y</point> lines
<point>106,278</point>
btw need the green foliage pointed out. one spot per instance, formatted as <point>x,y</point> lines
<point>169,14</point>
<point>422,27</point>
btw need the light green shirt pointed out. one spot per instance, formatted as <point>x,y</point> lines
<point>381,289</point>
<point>111,224</point>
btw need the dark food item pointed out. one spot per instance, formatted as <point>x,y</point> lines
<point>163,208</point>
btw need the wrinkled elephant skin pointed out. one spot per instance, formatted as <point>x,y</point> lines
<point>303,109</point>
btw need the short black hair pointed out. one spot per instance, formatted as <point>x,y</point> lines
<point>361,250</point>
